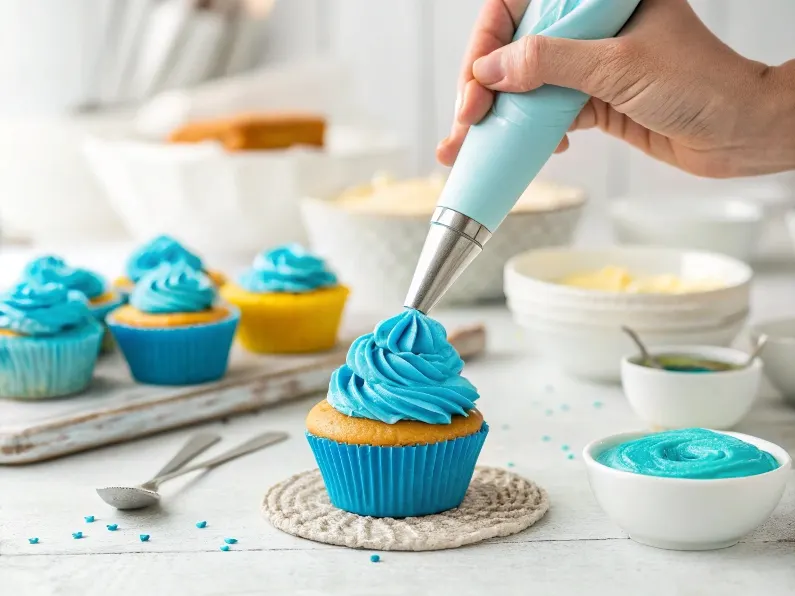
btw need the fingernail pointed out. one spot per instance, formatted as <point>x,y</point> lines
<point>489,69</point>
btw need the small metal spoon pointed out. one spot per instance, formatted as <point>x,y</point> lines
<point>760,345</point>
<point>648,359</point>
<point>144,495</point>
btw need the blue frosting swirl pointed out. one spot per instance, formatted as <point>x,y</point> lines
<point>694,453</point>
<point>173,288</point>
<point>43,309</point>
<point>289,268</point>
<point>163,249</point>
<point>405,370</point>
<point>51,269</point>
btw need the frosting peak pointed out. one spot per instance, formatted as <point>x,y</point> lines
<point>51,269</point>
<point>288,268</point>
<point>43,309</point>
<point>176,287</point>
<point>163,249</point>
<point>405,370</point>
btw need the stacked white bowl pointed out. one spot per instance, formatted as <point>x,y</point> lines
<point>580,329</point>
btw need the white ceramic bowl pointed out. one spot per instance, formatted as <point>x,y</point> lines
<point>779,354</point>
<point>376,254</point>
<point>683,514</point>
<point>667,400</point>
<point>231,204</point>
<point>728,226</point>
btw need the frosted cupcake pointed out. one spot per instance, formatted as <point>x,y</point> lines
<point>172,332</point>
<point>163,249</point>
<point>398,434</point>
<point>289,301</point>
<point>49,342</point>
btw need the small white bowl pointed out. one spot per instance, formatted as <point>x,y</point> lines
<point>684,514</point>
<point>779,354</point>
<point>728,226</point>
<point>667,399</point>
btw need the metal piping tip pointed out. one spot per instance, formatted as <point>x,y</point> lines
<point>453,242</point>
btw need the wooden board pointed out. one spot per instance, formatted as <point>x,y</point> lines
<point>117,409</point>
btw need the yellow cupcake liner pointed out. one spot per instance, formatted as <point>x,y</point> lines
<point>287,323</point>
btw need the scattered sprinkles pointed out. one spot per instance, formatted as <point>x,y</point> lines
<point>570,456</point>
<point>597,404</point>
<point>33,540</point>
<point>89,519</point>
<point>230,540</point>
<point>224,547</point>
<point>546,438</point>
<point>565,447</point>
<point>144,537</point>
<point>201,524</point>
<point>112,527</point>
<point>375,558</point>
<point>510,464</point>
<point>77,535</point>
<point>564,407</point>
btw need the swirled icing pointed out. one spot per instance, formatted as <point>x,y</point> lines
<point>43,309</point>
<point>405,370</point>
<point>163,249</point>
<point>289,268</point>
<point>51,269</point>
<point>171,288</point>
<point>690,453</point>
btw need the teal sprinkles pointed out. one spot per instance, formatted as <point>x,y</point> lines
<point>33,540</point>
<point>89,519</point>
<point>375,559</point>
<point>201,524</point>
<point>144,537</point>
<point>224,547</point>
<point>77,535</point>
<point>230,540</point>
<point>112,527</point>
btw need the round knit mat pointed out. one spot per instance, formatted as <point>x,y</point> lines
<point>498,503</point>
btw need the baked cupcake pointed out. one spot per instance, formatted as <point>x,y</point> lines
<point>398,434</point>
<point>172,332</point>
<point>51,269</point>
<point>154,253</point>
<point>49,342</point>
<point>289,302</point>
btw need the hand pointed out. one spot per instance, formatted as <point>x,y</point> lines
<point>666,85</point>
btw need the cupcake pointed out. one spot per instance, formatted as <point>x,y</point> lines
<point>172,332</point>
<point>398,434</point>
<point>100,300</point>
<point>49,342</point>
<point>289,303</point>
<point>151,255</point>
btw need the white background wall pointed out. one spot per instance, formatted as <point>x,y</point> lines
<point>406,55</point>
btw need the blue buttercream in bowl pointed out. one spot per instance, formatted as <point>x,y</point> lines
<point>290,268</point>
<point>174,288</point>
<point>51,269</point>
<point>42,310</point>
<point>163,249</point>
<point>405,370</point>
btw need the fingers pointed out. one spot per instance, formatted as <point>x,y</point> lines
<point>476,103</point>
<point>564,144</point>
<point>447,150</point>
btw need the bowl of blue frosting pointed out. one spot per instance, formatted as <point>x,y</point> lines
<point>687,489</point>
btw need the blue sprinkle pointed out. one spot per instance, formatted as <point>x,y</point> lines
<point>144,537</point>
<point>89,519</point>
<point>77,535</point>
<point>549,412</point>
<point>33,540</point>
<point>597,404</point>
<point>510,464</point>
<point>564,407</point>
<point>570,456</point>
<point>374,558</point>
<point>546,438</point>
<point>112,527</point>
<point>230,540</point>
<point>201,524</point>
<point>224,547</point>
<point>565,447</point>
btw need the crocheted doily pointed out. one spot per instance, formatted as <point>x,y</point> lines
<point>498,503</point>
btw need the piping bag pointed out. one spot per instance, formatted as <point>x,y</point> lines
<point>504,152</point>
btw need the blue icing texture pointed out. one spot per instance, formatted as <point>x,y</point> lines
<point>173,288</point>
<point>289,268</point>
<point>690,453</point>
<point>43,309</point>
<point>162,249</point>
<point>51,269</point>
<point>405,370</point>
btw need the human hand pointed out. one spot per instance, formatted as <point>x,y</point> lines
<point>666,85</point>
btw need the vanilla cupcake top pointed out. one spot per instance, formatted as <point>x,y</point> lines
<point>405,370</point>
<point>42,310</point>
<point>53,269</point>
<point>163,249</point>
<point>174,288</point>
<point>289,268</point>
<point>418,196</point>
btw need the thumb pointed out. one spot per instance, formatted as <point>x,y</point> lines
<point>535,60</point>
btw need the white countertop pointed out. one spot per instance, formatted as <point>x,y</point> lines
<point>575,549</point>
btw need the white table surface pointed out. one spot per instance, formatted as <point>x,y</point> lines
<point>575,549</point>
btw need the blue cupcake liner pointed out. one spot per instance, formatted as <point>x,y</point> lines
<point>177,355</point>
<point>100,312</point>
<point>398,481</point>
<point>46,367</point>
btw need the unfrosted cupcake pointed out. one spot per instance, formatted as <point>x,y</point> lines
<point>173,332</point>
<point>163,249</point>
<point>49,342</point>
<point>398,434</point>
<point>289,301</point>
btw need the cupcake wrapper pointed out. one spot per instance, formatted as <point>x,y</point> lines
<point>398,481</point>
<point>45,367</point>
<point>177,355</point>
